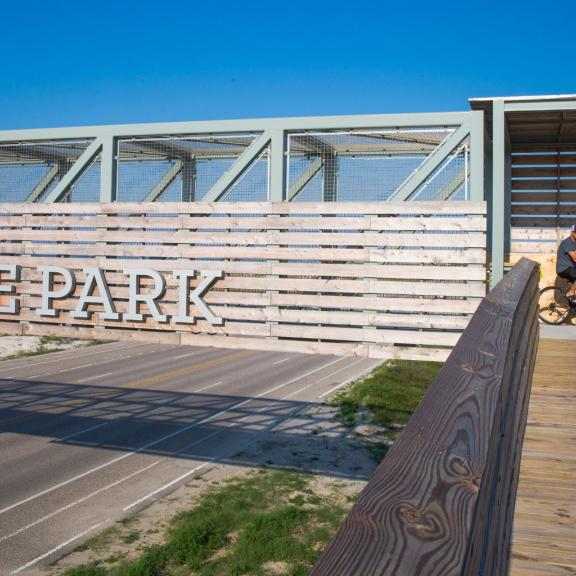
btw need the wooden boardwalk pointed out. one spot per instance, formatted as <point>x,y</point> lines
<point>544,538</point>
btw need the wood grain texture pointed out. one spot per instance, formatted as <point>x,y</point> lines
<point>380,279</point>
<point>178,222</point>
<point>543,539</point>
<point>142,208</point>
<point>441,502</point>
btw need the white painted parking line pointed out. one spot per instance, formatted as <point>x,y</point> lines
<point>153,464</point>
<point>79,501</point>
<point>281,361</point>
<point>164,438</point>
<point>99,363</point>
<point>208,387</point>
<point>195,353</point>
<point>171,483</point>
<point>51,360</point>
<point>341,385</point>
<point>62,371</point>
<point>222,430</point>
<point>95,377</point>
<point>315,383</point>
<point>81,432</point>
<point>59,547</point>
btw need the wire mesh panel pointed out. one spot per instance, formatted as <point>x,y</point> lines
<point>360,165</point>
<point>450,181</point>
<point>87,187</point>
<point>176,168</point>
<point>29,171</point>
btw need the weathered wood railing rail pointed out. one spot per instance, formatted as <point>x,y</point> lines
<point>442,501</point>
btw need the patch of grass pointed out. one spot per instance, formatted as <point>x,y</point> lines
<point>131,537</point>
<point>391,393</point>
<point>91,569</point>
<point>238,528</point>
<point>45,340</point>
<point>101,540</point>
<point>114,558</point>
<point>127,521</point>
<point>389,396</point>
<point>97,342</point>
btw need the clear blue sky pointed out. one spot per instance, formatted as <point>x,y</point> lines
<point>70,63</point>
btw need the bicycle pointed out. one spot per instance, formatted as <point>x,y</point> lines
<point>554,307</point>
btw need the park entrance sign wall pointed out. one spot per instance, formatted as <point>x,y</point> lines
<point>375,279</point>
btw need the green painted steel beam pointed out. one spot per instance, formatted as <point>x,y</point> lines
<point>278,162</point>
<point>439,119</point>
<point>497,211</point>
<point>305,177</point>
<point>108,169</point>
<point>167,179</point>
<point>43,185</point>
<point>238,168</point>
<point>418,177</point>
<point>76,170</point>
<point>451,187</point>
<point>477,192</point>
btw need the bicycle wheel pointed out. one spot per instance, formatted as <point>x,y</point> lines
<point>553,305</point>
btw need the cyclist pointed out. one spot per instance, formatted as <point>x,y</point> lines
<point>566,262</point>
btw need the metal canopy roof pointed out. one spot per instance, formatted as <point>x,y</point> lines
<point>541,122</point>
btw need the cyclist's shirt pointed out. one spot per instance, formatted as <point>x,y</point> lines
<point>563,260</point>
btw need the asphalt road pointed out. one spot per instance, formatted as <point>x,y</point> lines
<point>92,435</point>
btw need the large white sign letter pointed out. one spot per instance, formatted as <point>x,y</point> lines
<point>196,296</point>
<point>136,298</point>
<point>95,279</point>
<point>48,292</point>
<point>13,307</point>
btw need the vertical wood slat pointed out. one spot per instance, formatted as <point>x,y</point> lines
<point>410,260</point>
<point>442,501</point>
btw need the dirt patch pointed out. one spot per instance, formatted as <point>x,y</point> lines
<point>276,568</point>
<point>16,346</point>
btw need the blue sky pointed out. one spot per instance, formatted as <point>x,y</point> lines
<point>73,63</point>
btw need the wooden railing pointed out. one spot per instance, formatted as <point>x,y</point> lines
<point>442,501</point>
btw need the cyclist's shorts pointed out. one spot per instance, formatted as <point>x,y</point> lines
<point>568,274</point>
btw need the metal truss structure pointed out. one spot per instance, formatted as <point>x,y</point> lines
<point>437,156</point>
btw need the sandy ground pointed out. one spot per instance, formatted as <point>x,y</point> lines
<point>16,345</point>
<point>339,458</point>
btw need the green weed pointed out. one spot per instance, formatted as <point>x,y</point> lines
<point>237,528</point>
<point>391,393</point>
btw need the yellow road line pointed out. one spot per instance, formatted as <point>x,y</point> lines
<point>191,369</point>
<point>137,383</point>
